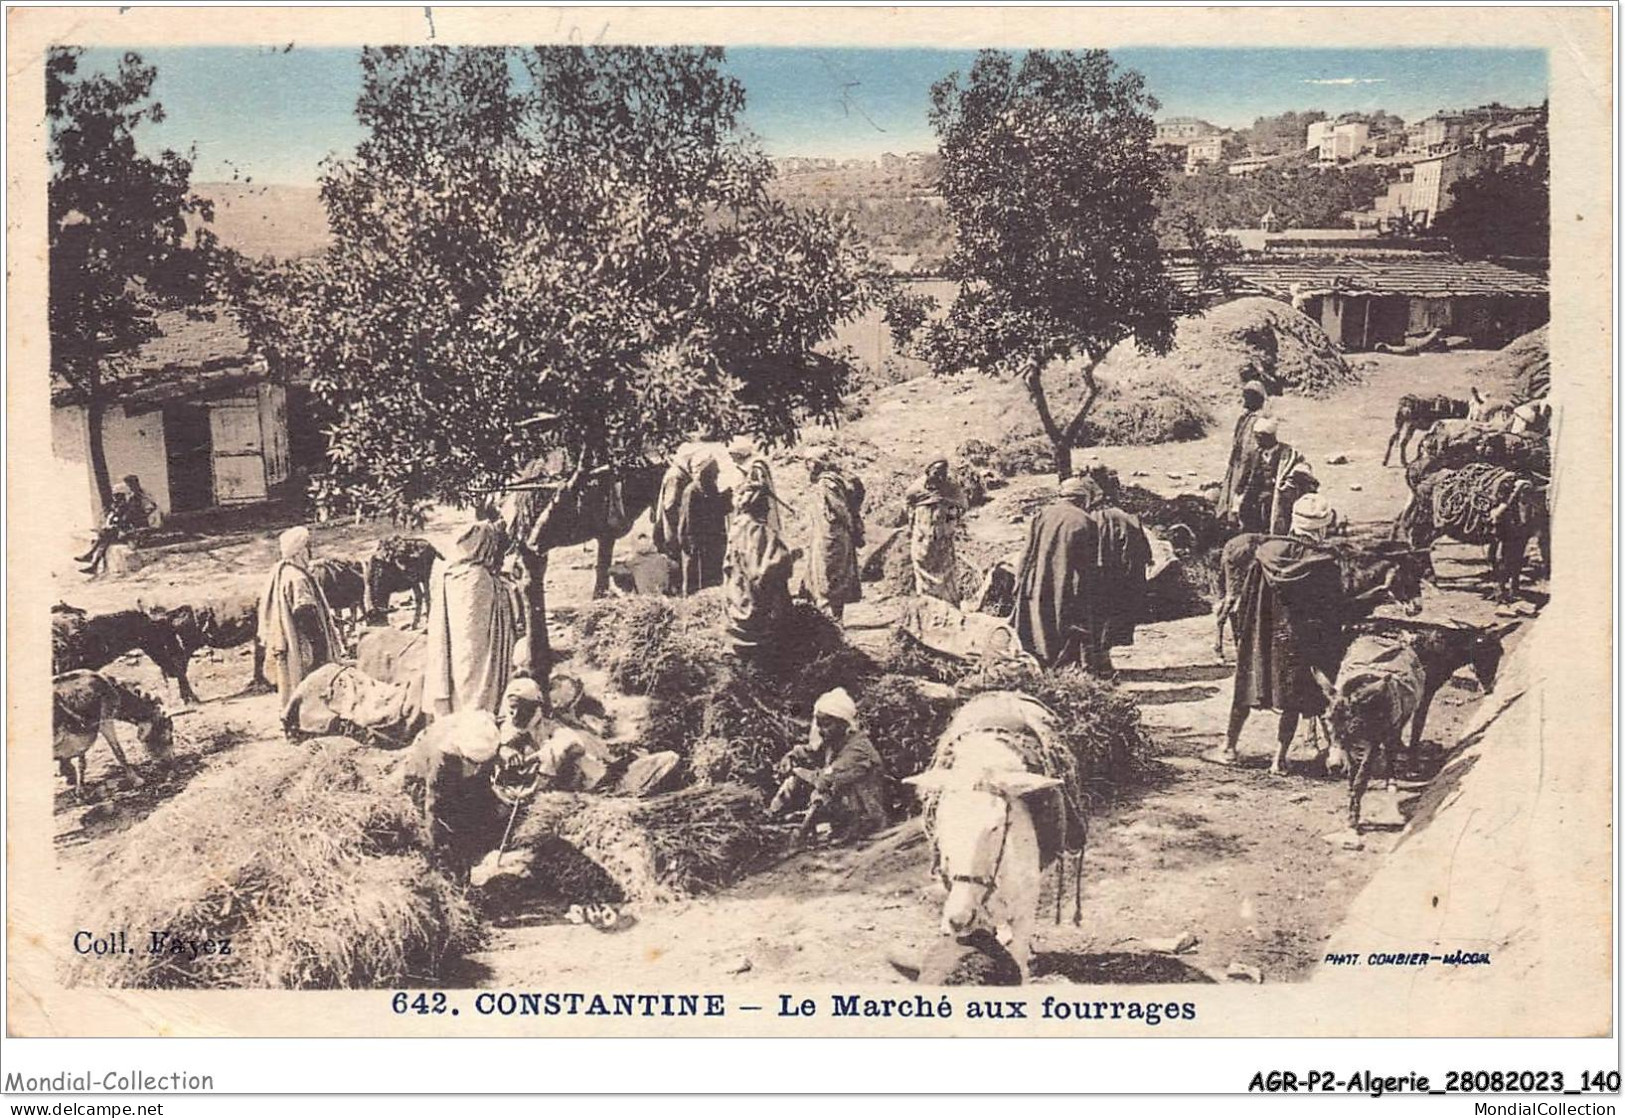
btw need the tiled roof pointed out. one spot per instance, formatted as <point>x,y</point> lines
<point>194,353</point>
<point>1422,276</point>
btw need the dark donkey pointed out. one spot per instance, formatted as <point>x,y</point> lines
<point>218,625</point>
<point>1443,650</point>
<point>599,505</point>
<point>86,640</point>
<point>1373,574</point>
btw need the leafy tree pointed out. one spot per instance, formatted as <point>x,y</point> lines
<point>562,252</point>
<point>1051,180</point>
<point>1276,135</point>
<point>119,245</point>
<point>1303,196</point>
<point>1501,211</point>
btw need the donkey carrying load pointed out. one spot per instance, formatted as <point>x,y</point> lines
<point>1003,804</point>
<point>1481,504</point>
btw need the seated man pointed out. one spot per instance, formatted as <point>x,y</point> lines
<point>840,769</point>
<point>539,753</point>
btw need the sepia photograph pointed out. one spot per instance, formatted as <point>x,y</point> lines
<point>648,528</point>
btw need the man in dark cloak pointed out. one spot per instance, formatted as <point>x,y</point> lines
<point>1242,447</point>
<point>1289,630</point>
<point>1055,592</point>
<point>702,530</point>
<point>1122,554</point>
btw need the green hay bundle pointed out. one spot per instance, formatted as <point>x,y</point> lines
<point>653,646</point>
<point>1107,747</point>
<point>903,720</point>
<point>311,863</point>
<point>1157,410</point>
<point>664,848</point>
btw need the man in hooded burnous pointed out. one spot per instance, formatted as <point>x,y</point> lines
<point>472,630</point>
<point>935,507</point>
<point>702,530</point>
<point>295,623</point>
<point>1289,630</point>
<point>1056,588</point>
<point>837,534</point>
<point>1270,481</point>
<point>756,575</point>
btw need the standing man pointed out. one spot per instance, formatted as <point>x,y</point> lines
<point>837,533</point>
<point>756,575</point>
<point>1289,630</point>
<point>471,625</point>
<point>1055,592</point>
<point>1242,446</point>
<point>935,508</point>
<point>702,530</point>
<point>295,623</point>
<point>1266,487</point>
<point>1122,555</point>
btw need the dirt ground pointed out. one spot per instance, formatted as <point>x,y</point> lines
<point>1233,856</point>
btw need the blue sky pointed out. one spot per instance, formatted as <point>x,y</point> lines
<point>274,115</point>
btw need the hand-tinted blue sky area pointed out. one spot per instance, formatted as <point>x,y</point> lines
<point>274,114</point>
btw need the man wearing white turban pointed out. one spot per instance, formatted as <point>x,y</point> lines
<point>295,623</point>
<point>841,767</point>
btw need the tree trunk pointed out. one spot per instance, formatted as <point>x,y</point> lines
<point>1059,443</point>
<point>98,453</point>
<point>1074,433</point>
<point>541,653</point>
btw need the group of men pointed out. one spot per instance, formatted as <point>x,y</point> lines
<point>733,536</point>
<point>1289,619</point>
<point>1080,590</point>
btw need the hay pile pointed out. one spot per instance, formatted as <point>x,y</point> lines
<point>665,848</point>
<point>311,862</point>
<point>1216,352</point>
<point>1520,371</point>
<point>1107,747</point>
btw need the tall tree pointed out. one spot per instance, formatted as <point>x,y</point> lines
<point>559,252</point>
<point>1051,179</point>
<point>1501,211</point>
<point>120,247</point>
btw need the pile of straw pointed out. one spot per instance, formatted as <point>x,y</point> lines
<point>664,848</point>
<point>312,864</point>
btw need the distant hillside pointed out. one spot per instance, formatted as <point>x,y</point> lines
<point>893,203</point>
<point>281,221</point>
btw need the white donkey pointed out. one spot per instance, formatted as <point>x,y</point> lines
<point>986,810</point>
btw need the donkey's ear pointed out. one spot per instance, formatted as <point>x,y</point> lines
<point>1018,783</point>
<point>931,780</point>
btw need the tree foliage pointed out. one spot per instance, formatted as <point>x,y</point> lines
<point>1280,135</point>
<point>1303,196</point>
<point>561,249</point>
<point>1052,182</point>
<point>119,245</point>
<point>1501,211</point>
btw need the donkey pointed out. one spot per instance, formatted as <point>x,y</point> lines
<point>396,564</point>
<point>87,640</point>
<point>1378,691</point>
<point>1419,413</point>
<point>85,706</point>
<point>988,818</point>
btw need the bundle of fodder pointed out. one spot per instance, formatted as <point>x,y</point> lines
<point>649,645</point>
<point>309,860</point>
<point>1106,745</point>
<point>1218,351</point>
<point>1520,371</point>
<point>587,848</point>
<point>904,717</point>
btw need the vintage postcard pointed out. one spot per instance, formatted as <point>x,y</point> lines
<point>810,523</point>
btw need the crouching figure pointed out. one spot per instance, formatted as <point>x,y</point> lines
<point>838,771</point>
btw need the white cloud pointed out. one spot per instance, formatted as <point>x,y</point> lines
<point>1343,81</point>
